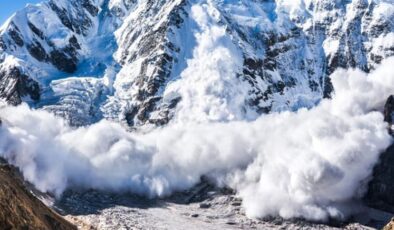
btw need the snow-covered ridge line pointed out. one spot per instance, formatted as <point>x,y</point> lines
<point>137,53</point>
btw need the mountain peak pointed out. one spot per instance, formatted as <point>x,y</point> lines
<point>132,61</point>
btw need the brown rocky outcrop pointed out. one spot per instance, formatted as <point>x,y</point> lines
<point>20,209</point>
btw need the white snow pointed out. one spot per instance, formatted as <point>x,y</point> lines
<point>210,87</point>
<point>302,164</point>
<point>308,163</point>
<point>116,33</point>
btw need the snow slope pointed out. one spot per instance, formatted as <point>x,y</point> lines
<point>142,63</point>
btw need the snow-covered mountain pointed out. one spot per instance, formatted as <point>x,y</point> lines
<point>145,62</point>
<point>208,69</point>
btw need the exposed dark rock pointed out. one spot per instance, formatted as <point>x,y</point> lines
<point>16,35</point>
<point>66,59</point>
<point>37,51</point>
<point>381,187</point>
<point>62,14</point>
<point>63,62</point>
<point>129,116</point>
<point>328,88</point>
<point>336,61</point>
<point>153,41</point>
<point>146,108</point>
<point>78,22</point>
<point>74,43</point>
<point>205,205</point>
<point>14,85</point>
<point>231,222</point>
<point>90,7</point>
<point>237,203</point>
<point>389,110</point>
<point>282,60</point>
<point>2,44</point>
<point>35,30</point>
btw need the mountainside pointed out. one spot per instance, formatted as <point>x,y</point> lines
<point>20,209</point>
<point>219,77</point>
<point>148,62</point>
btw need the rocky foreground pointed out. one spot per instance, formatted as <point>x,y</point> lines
<point>20,209</point>
<point>203,207</point>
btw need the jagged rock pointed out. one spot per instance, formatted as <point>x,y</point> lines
<point>63,62</point>
<point>37,51</point>
<point>137,49</point>
<point>389,113</point>
<point>381,187</point>
<point>14,85</point>
<point>389,110</point>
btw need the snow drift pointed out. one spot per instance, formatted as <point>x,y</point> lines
<point>307,163</point>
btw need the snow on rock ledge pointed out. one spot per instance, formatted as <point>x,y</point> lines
<point>139,56</point>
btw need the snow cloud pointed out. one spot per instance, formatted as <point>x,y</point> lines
<point>310,163</point>
<point>210,87</point>
<point>307,163</point>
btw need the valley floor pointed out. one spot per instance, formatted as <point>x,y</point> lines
<point>203,207</point>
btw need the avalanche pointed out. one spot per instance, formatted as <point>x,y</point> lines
<point>232,90</point>
<point>308,163</point>
<point>131,61</point>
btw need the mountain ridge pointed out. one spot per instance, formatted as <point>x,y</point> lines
<point>149,46</point>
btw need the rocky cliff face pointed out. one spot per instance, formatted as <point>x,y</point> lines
<point>381,189</point>
<point>389,112</point>
<point>140,62</point>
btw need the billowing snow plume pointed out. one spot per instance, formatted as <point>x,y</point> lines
<point>209,87</point>
<point>293,164</point>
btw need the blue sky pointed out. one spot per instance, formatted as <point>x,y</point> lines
<point>8,7</point>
